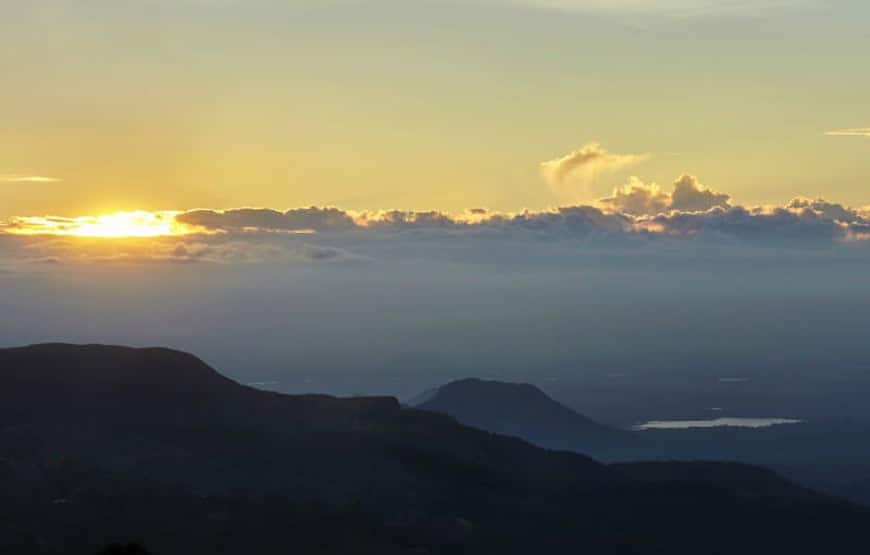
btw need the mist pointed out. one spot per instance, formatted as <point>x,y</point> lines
<point>662,327</point>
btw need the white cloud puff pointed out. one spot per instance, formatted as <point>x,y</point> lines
<point>639,199</point>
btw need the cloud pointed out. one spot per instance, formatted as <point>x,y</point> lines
<point>854,132</point>
<point>570,221</point>
<point>399,220</point>
<point>254,251</point>
<point>16,178</point>
<point>690,196</point>
<point>639,199</point>
<point>825,209</point>
<point>320,253</point>
<point>772,225</point>
<point>572,175</point>
<point>300,219</point>
<point>225,248</point>
<point>636,213</point>
<point>681,9</point>
<point>800,221</point>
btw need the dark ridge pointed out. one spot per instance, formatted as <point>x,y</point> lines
<point>108,365</point>
<point>77,373</point>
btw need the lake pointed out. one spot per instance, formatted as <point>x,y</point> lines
<point>715,423</point>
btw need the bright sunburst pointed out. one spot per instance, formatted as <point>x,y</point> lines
<point>117,225</point>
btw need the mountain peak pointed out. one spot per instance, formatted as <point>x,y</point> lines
<point>494,387</point>
<point>517,409</point>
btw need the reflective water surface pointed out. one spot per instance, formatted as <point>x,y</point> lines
<point>715,423</point>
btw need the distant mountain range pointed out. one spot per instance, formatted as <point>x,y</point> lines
<point>525,411</point>
<point>520,410</point>
<point>100,444</point>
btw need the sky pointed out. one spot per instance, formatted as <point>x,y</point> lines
<point>447,105</point>
<point>628,202</point>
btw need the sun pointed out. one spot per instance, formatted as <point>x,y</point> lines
<point>118,225</point>
<point>127,224</point>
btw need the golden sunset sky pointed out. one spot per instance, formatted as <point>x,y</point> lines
<point>110,105</point>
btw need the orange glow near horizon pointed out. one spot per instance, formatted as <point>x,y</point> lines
<point>118,225</point>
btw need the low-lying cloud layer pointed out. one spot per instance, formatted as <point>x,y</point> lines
<point>689,211</point>
<point>30,252</point>
<point>299,219</point>
<point>636,214</point>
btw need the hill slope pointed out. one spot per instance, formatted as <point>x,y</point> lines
<point>520,410</point>
<point>154,416</point>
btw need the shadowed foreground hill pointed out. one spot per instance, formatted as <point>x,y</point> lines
<point>160,432</point>
<point>521,410</point>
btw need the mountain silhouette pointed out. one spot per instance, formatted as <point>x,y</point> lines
<point>521,410</point>
<point>166,440</point>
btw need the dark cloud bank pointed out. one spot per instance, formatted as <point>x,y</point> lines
<point>634,211</point>
<point>637,215</point>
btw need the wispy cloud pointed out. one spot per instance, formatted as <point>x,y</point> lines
<point>19,178</point>
<point>853,132</point>
<point>670,8</point>
<point>572,175</point>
